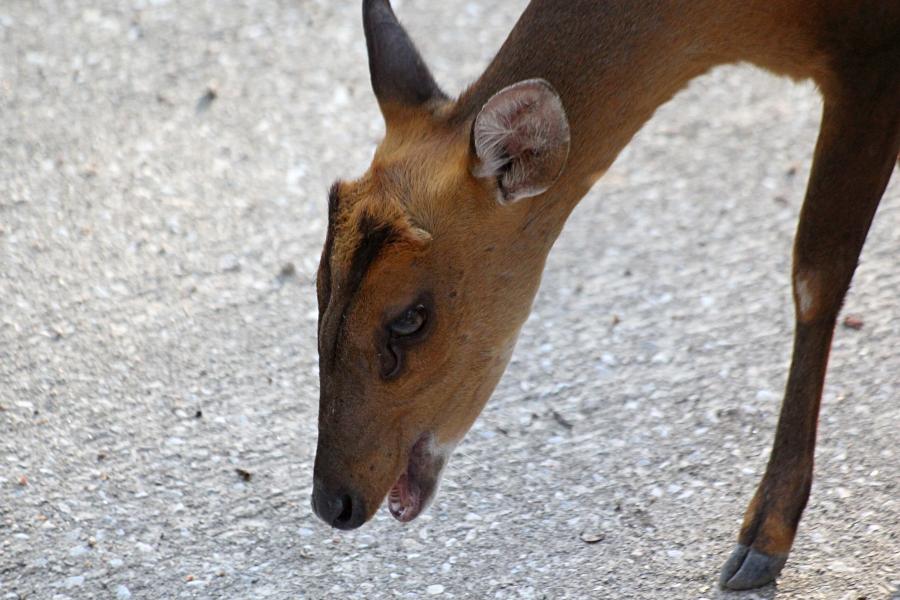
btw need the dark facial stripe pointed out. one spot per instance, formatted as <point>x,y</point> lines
<point>373,236</point>
<point>323,281</point>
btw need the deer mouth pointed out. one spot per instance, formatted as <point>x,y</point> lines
<point>417,484</point>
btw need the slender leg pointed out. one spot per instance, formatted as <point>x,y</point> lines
<point>854,158</point>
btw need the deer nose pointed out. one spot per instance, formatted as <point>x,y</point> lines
<point>336,507</point>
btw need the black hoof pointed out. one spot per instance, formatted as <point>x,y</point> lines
<point>747,568</point>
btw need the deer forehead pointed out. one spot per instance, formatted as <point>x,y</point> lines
<point>430,155</point>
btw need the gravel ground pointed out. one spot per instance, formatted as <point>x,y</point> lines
<point>163,168</point>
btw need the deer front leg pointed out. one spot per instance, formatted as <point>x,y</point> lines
<point>854,157</point>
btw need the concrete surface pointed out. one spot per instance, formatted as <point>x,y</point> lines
<point>164,163</point>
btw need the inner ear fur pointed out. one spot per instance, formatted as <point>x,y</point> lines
<point>521,139</point>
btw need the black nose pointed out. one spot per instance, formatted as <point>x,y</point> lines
<point>337,507</point>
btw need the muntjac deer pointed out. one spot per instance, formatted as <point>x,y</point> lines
<point>433,257</point>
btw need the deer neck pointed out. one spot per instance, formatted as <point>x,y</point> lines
<point>614,62</point>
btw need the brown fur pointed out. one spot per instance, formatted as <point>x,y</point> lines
<point>613,63</point>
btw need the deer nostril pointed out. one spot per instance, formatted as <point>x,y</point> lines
<point>346,515</point>
<point>341,510</point>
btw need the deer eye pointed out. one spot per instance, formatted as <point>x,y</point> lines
<point>410,322</point>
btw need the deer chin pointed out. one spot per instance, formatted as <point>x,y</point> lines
<point>417,484</point>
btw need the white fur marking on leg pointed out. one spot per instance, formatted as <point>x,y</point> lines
<point>805,297</point>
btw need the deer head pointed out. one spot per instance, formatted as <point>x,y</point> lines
<point>428,272</point>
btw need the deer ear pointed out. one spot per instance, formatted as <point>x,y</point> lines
<point>521,139</point>
<point>399,75</point>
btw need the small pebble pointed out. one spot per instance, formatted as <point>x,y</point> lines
<point>853,322</point>
<point>122,593</point>
<point>206,99</point>
<point>591,537</point>
<point>287,271</point>
<point>435,589</point>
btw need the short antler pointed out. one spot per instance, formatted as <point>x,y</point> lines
<point>399,75</point>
